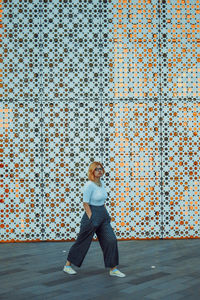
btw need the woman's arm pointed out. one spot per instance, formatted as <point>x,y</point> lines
<point>87,209</point>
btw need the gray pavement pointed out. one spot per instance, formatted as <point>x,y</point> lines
<point>155,269</point>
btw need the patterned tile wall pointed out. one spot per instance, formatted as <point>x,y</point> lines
<point>115,81</point>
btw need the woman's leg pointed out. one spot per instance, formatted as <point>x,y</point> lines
<point>108,243</point>
<point>80,248</point>
<point>68,263</point>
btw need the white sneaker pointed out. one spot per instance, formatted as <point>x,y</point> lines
<point>117,273</point>
<point>69,270</point>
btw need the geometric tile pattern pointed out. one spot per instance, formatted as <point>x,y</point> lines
<point>116,81</point>
<point>180,25</point>
<point>181,134</point>
<point>21,199</point>
<point>132,49</point>
<point>131,154</point>
<point>1,56</point>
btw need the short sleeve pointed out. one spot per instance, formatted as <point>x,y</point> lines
<point>87,192</point>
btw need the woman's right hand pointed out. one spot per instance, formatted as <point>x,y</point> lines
<point>87,210</point>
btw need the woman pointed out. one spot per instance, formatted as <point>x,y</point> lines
<point>95,220</point>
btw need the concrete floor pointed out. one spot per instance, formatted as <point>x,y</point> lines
<point>160,269</point>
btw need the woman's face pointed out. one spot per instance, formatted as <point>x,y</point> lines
<point>98,171</point>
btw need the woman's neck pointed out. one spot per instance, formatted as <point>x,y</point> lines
<point>97,181</point>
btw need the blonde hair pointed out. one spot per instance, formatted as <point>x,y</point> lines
<point>91,169</point>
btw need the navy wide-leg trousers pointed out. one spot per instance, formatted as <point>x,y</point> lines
<point>99,223</point>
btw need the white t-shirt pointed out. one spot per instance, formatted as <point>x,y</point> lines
<point>93,194</point>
